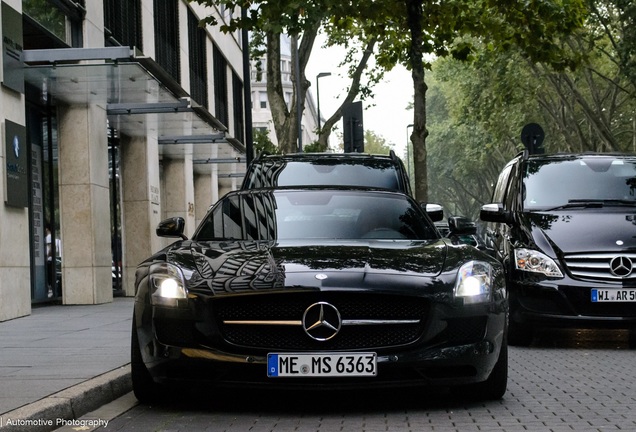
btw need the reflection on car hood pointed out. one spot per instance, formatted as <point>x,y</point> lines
<point>234,266</point>
<point>585,231</point>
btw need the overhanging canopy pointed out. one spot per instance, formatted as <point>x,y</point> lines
<point>140,98</point>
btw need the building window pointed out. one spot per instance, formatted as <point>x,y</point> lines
<point>220,87</point>
<point>262,99</point>
<point>122,23</point>
<point>198,60</point>
<point>285,69</point>
<point>167,36</point>
<point>61,19</point>
<point>237,96</point>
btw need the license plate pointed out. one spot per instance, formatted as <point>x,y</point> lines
<point>303,365</point>
<point>613,295</point>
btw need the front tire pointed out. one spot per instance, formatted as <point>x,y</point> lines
<point>495,386</point>
<point>146,390</point>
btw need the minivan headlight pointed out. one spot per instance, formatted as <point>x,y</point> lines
<point>537,262</point>
<point>474,282</point>
<point>167,284</point>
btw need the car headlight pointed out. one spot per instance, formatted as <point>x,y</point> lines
<point>536,262</point>
<point>474,282</point>
<point>167,285</point>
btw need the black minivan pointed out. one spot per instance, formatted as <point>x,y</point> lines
<point>564,226</point>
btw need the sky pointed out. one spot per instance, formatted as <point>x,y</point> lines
<point>386,114</point>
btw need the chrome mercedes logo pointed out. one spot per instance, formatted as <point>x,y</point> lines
<point>321,321</point>
<point>621,266</point>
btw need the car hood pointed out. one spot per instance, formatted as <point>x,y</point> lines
<point>233,266</point>
<point>583,231</point>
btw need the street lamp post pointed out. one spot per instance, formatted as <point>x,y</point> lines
<point>408,152</point>
<point>299,107</point>
<point>320,75</point>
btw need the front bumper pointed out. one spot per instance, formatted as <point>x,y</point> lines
<point>566,303</point>
<point>444,355</point>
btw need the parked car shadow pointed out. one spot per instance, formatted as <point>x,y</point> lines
<point>581,338</point>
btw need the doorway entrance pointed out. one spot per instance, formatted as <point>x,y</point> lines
<point>44,210</point>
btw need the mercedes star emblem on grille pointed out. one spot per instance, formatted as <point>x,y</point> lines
<point>621,266</point>
<point>321,321</point>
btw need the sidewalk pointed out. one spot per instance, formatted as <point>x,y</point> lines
<point>63,361</point>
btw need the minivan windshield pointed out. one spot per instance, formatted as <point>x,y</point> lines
<point>376,173</point>
<point>551,184</point>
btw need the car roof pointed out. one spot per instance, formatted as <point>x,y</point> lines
<point>578,155</point>
<point>302,189</point>
<point>314,156</point>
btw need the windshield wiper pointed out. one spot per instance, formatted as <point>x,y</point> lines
<point>587,203</point>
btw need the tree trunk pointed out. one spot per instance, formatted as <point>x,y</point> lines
<point>419,134</point>
<point>284,123</point>
<point>286,119</point>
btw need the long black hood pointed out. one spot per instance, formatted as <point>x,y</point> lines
<point>583,230</point>
<point>237,266</point>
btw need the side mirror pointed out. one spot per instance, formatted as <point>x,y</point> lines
<point>172,227</point>
<point>494,212</point>
<point>434,211</point>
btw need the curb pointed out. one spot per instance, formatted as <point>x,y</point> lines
<point>68,404</point>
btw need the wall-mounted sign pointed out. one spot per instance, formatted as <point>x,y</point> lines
<point>17,174</point>
<point>12,67</point>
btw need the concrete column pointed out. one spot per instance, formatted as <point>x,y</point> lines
<point>202,196</point>
<point>179,192</point>
<point>84,205</point>
<point>141,205</point>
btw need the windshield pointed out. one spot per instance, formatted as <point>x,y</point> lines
<point>376,173</point>
<point>316,214</point>
<point>550,184</point>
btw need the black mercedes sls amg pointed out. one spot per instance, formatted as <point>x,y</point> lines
<point>325,288</point>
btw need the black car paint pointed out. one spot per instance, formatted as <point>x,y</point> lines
<point>294,273</point>
<point>415,270</point>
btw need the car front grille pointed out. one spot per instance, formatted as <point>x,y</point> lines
<point>274,322</point>
<point>598,266</point>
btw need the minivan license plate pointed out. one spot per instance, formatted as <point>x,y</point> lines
<point>613,295</point>
<point>321,365</point>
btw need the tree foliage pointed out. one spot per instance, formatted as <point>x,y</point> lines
<point>374,143</point>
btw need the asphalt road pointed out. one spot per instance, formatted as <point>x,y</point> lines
<point>566,381</point>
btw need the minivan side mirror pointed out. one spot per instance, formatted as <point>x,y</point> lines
<point>434,211</point>
<point>172,227</point>
<point>494,212</point>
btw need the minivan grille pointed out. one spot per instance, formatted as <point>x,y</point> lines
<point>606,266</point>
